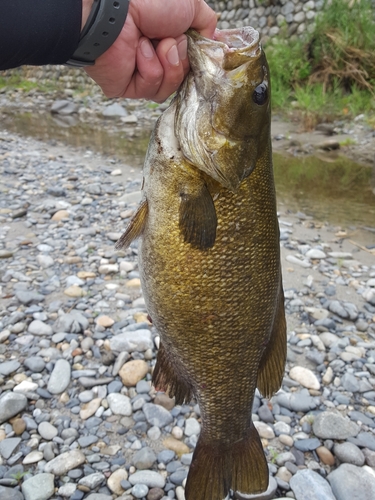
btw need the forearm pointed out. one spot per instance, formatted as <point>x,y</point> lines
<point>40,31</point>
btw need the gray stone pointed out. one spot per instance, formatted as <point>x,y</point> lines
<point>65,462</point>
<point>39,487</point>
<point>349,382</point>
<point>73,322</point>
<point>28,297</point>
<point>92,481</point>
<point>269,494</point>
<point>349,482</point>
<point>38,327</point>
<point>10,494</point>
<point>85,441</point>
<point>157,415</point>
<point>47,430</point>
<point>192,426</point>
<point>35,364</point>
<point>139,340</point>
<point>64,107</point>
<point>297,401</point>
<point>332,425</point>
<point>101,496</point>
<point>139,490</point>
<point>307,444</point>
<point>60,377</point>
<point>144,458</point>
<point>119,404</point>
<point>114,110</point>
<point>148,477</point>
<point>364,439</point>
<point>308,485</point>
<point>349,453</point>
<point>8,446</point>
<point>11,404</point>
<point>9,367</point>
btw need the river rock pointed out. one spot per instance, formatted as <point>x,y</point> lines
<point>10,494</point>
<point>133,371</point>
<point>308,485</point>
<point>148,477</point>
<point>305,377</point>
<point>114,481</point>
<point>349,482</point>
<point>39,487</point>
<point>65,462</point>
<point>38,327</point>
<point>60,377</point>
<point>349,453</point>
<point>138,340</point>
<point>332,425</point>
<point>11,404</point>
<point>119,404</point>
<point>157,415</point>
<point>144,458</point>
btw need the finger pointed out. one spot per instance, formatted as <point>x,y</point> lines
<point>172,55</point>
<point>205,19</point>
<point>148,77</point>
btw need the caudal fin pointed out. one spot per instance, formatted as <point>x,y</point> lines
<point>217,468</point>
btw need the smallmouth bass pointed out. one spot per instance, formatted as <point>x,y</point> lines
<point>209,256</point>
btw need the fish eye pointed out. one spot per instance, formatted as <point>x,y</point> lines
<point>260,94</point>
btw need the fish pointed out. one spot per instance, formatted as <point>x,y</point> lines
<point>209,256</point>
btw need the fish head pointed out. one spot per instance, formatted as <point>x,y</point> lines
<point>222,116</point>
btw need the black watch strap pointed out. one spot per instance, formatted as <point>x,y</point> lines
<point>103,26</point>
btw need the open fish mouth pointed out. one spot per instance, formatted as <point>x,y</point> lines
<point>223,105</point>
<point>228,48</point>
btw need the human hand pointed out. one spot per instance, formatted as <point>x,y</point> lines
<point>149,58</point>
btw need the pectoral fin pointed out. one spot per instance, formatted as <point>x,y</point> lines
<point>135,227</point>
<point>272,365</point>
<point>198,219</point>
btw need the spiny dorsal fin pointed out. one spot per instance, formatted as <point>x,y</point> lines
<point>198,219</point>
<point>135,227</point>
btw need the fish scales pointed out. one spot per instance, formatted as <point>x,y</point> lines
<point>214,293</point>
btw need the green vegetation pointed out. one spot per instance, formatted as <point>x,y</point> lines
<point>331,72</point>
<point>18,82</point>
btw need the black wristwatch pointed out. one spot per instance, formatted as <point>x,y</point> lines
<point>103,26</point>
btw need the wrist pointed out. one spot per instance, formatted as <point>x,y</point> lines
<point>86,9</point>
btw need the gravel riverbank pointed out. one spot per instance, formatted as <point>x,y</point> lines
<point>78,416</point>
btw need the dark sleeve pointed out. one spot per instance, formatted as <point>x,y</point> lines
<point>38,32</point>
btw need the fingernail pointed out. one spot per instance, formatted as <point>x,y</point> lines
<point>172,56</point>
<point>182,49</point>
<point>147,50</point>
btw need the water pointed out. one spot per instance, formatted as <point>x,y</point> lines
<point>340,192</point>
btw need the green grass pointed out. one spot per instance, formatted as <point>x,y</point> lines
<point>17,82</point>
<point>331,72</point>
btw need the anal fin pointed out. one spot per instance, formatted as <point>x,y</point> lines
<point>165,379</point>
<point>272,365</point>
<point>198,219</point>
<point>218,467</point>
<point>135,227</point>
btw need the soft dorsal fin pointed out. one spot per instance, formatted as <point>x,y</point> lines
<point>135,227</point>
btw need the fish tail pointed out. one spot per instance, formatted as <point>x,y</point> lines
<point>216,468</point>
